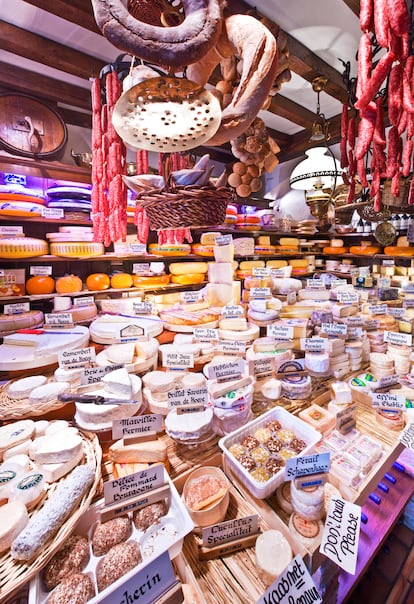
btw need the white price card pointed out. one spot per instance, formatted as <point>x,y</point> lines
<point>232,311</point>
<point>72,359</point>
<point>307,464</point>
<point>205,334</point>
<point>52,213</point>
<point>398,313</point>
<point>341,534</point>
<point>388,401</point>
<point>262,367</point>
<point>293,586</point>
<point>134,484</point>
<point>334,329</point>
<point>387,381</point>
<point>146,586</point>
<point>399,339</point>
<point>133,427</point>
<point>11,231</point>
<point>261,272</point>
<point>315,284</point>
<point>348,297</point>
<point>142,308</point>
<point>59,318</point>
<point>280,332</point>
<point>40,270</point>
<point>260,292</point>
<point>140,268</point>
<point>313,344</point>
<point>231,347</point>
<point>378,309</point>
<point>188,397</point>
<point>407,436</point>
<point>138,249</point>
<point>191,297</point>
<point>384,282</point>
<point>17,308</point>
<point>182,360</point>
<point>338,283</point>
<point>230,530</point>
<point>226,371</point>
<point>223,240</point>
<point>83,301</point>
<point>92,375</point>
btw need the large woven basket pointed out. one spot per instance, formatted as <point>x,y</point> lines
<point>184,207</point>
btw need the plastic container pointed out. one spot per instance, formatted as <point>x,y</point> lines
<point>168,534</point>
<point>302,431</point>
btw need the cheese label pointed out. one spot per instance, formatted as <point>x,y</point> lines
<point>93,375</point>
<point>223,240</point>
<point>358,321</point>
<point>313,344</point>
<point>378,309</point>
<point>262,367</point>
<point>139,249</point>
<point>231,347</point>
<point>53,213</point>
<point>11,231</point>
<point>334,329</point>
<point>230,530</point>
<point>205,334</point>
<point>142,425</point>
<point>191,297</point>
<point>388,262</point>
<point>194,399</point>
<point>346,419</point>
<point>399,339</point>
<point>40,270</point>
<point>398,313</point>
<point>182,360</point>
<point>295,584</point>
<point>315,284</point>
<point>408,303</point>
<point>230,311</point>
<point>260,292</point>
<point>142,308</point>
<point>306,465</point>
<point>372,324</point>
<point>16,309</point>
<point>150,584</point>
<point>140,268</point>
<point>131,485</point>
<point>280,332</point>
<point>384,282</point>
<point>338,283</point>
<point>226,371</point>
<point>83,301</point>
<point>72,359</point>
<point>389,380</point>
<point>407,436</point>
<point>277,272</point>
<point>261,272</point>
<point>341,534</point>
<point>348,297</point>
<point>58,318</point>
<point>388,401</point>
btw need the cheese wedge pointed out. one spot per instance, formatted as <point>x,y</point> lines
<point>118,383</point>
<point>148,451</point>
<point>121,353</point>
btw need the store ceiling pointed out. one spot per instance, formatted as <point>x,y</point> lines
<point>50,48</point>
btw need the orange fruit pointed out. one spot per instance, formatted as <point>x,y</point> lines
<point>98,281</point>
<point>121,281</point>
<point>69,284</point>
<point>40,284</point>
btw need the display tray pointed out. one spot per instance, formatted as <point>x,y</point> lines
<point>168,534</point>
<point>16,573</point>
<point>232,576</point>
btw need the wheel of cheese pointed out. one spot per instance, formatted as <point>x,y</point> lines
<point>83,313</point>
<point>247,219</point>
<point>264,249</point>
<point>394,250</point>
<point>203,250</point>
<point>77,249</point>
<point>7,194</point>
<point>22,209</point>
<point>25,320</point>
<point>335,250</point>
<point>150,280</point>
<point>364,250</point>
<point>188,279</point>
<point>188,268</point>
<point>167,249</point>
<point>22,247</point>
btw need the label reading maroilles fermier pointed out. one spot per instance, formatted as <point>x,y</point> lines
<point>341,534</point>
<point>142,425</point>
<point>306,465</point>
<point>230,530</point>
<point>72,359</point>
<point>134,484</point>
<point>293,586</point>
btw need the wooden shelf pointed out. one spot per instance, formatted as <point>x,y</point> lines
<point>44,169</point>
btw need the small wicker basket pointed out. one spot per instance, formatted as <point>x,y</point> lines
<point>184,207</point>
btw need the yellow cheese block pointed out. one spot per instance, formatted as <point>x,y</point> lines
<point>209,238</point>
<point>299,262</point>
<point>77,249</point>
<point>263,240</point>
<point>403,241</point>
<point>190,279</point>
<point>289,241</point>
<point>22,247</point>
<point>249,264</point>
<point>276,263</point>
<point>188,268</point>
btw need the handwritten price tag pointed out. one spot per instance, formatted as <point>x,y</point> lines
<point>341,534</point>
<point>294,585</point>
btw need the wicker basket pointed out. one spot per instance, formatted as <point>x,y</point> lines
<point>184,207</point>
<point>388,198</point>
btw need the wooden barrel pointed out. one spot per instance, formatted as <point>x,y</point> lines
<point>30,128</point>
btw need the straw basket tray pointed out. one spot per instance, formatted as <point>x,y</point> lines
<point>14,409</point>
<point>184,207</point>
<point>16,573</point>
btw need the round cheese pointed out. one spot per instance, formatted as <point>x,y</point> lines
<point>25,320</point>
<point>110,329</point>
<point>22,388</point>
<point>15,433</point>
<point>13,519</point>
<point>273,554</point>
<point>188,426</point>
<point>77,249</point>
<point>22,247</point>
<point>47,392</point>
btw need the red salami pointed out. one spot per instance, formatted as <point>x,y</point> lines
<point>365,14</point>
<point>381,24</point>
<point>398,16</point>
<point>407,154</point>
<point>366,130</point>
<point>362,172</point>
<point>395,94</point>
<point>364,64</point>
<point>379,132</point>
<point>378,76</point>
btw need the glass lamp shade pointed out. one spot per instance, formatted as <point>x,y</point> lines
<point>318,168</point>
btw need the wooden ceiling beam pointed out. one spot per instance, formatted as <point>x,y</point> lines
<point>284,107</point>
<point>42,50</point>
<point>79,12</point>
<point>354,6</point>
<point>43,87</point>
<point>75,118</point>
